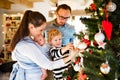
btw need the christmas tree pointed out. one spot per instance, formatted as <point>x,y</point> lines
<point>101,44</point>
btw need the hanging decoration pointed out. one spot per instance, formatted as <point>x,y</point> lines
<point>78,64</point>
<point>107,27</point>
<point>105,68</point>
<point>111,7</point>
<point>93,7</point>
<point>99,37</point>
<point>82,45</point>
<point>82,75</point>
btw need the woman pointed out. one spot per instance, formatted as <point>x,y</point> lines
<point>27,53</point>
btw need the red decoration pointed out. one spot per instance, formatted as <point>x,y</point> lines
<point>82,76</point>
<point>68,77</point>
<point>107,27</point>
<point>95,43</point>
<point>78,60</point>
<point>91,51</point>
<point>86,41</point>
<point>93,7</point>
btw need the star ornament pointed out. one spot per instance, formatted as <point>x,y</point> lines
<point>82,76</point>
<point>101,45</point>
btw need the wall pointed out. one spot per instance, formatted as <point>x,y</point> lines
<point>1,34</point>
<point>44,8</point>
<point>38,6</point>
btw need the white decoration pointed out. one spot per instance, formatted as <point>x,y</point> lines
<point>111,6</point>
<point>92,43</point>
<point>76,42</point>
<point>76,67</point>
<point>81,62</point>
<point>86,37</point>
<point>116,76</point>
<point>99,37</point>
<point>82,45</point>
<point>101,45</point>
<point>105,68</point>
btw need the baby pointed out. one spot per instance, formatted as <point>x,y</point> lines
<point>40,40</point>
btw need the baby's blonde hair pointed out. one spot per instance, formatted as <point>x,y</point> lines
<point>52,33</point>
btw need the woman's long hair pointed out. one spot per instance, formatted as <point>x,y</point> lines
<point>33,17</point>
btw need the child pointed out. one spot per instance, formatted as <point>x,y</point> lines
<point>41,41</point>
<point>55,40</point>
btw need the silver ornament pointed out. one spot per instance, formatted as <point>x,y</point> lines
<point>111,7</point>
<point>99,37</point>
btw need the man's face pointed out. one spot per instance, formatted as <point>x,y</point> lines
<point>62,16</point>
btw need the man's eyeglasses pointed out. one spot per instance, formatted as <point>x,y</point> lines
<point>62,17</point>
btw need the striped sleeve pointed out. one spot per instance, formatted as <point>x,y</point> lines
<point>56,53</point>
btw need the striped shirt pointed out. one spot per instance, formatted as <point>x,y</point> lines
<point>56,54</point>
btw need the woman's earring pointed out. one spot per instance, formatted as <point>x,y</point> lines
<point>32,37</point>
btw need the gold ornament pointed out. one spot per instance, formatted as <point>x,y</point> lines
<point>105,68</point>
<point>101,12</point>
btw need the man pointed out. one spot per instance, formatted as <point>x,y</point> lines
<point>63,13</point>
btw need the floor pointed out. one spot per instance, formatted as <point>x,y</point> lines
<point>4,76</point>
<point>6,68</point>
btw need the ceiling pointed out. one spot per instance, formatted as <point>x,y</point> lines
<point>11,6</point>
<point>6,4</point>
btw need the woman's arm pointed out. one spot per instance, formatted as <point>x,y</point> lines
<point>32,52</point>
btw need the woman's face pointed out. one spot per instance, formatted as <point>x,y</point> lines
<point>35,31</point>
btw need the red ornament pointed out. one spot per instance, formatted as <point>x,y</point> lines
<point>91,51</point>
<point>82,76</point>
<point>107,27</point>
<point>93,7</point>
<point>69,78</point>
<point>95,43</point>
<point>78,60</point>
<point>86,41</point>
